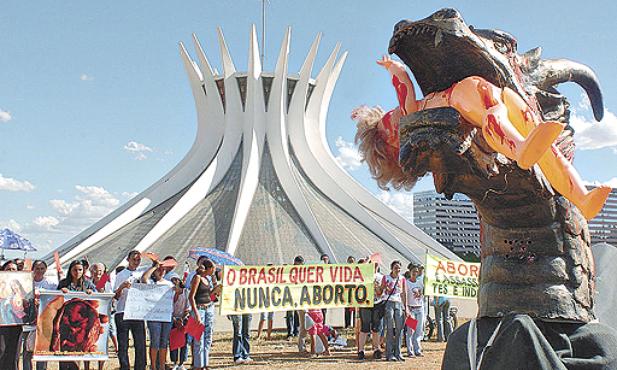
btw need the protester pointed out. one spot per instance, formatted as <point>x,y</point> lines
<point>100,279</point>
<point>86,264</point>
<point>317,331</point>
<point>263,317</point>
<point>39,268</point>
<point>9,335</point>
<point>299,315</point>
<point>292,328</point>
<point>158,331</point>
<point>20,263</point>
<point>241,347</point>
<point>393,286</point>
<point>132,273</point>
<point>181,310</point>
<point>75,282</point>
<point>441,305</point>
<point>349,311</point>
<point>371,320</point>
<point>325,259</point>
<point>169,269</point>
<point>415,306</point>
<point>203,286</point>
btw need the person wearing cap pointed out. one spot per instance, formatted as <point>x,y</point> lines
<point>180,314</point>
<point>158,330</point>
<point>415,306</point>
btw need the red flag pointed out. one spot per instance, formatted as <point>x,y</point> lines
<point>411,323</point>
<point>177,338</point>
<point>57,262</point>
<point>101,284</point>
<point>193,328</point>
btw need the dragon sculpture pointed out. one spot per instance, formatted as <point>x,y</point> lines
<point>506,143</point>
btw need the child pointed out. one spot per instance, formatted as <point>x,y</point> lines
<point>317,330</point>
<point>180,315</point>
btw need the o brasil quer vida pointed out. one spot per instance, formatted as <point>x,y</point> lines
<point>311,274</point>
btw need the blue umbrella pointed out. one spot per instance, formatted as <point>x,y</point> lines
<point>13,241</point>
<point>217,256</point>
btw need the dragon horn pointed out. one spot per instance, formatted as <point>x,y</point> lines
<point>556,71</point>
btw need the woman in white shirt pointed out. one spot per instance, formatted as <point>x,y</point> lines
<point>394,294</point>
<point>158,330</point>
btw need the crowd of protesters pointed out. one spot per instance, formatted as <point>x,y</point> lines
<point>398,297</point>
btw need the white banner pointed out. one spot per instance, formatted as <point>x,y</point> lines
<point>149,302</point>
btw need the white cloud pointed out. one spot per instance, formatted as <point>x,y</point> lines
<point>402,203</point>
<point>349,157</point>
<point>5,116</point>
<point>30,206</point>
<point>46,223</point>
<point>10,224</point>
<point>138,150</point>
<point>590,134</point>
<point>91,203</point>
<point>85,77</point>
<point>9,184</point>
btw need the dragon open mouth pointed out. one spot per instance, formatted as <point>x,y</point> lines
<point>441,50</point>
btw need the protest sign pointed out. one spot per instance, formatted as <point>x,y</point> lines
<point>451,278</point>
<point>72,326</point>
<point>251,289</point>
<point>149,302</point>
<point>16,298</point>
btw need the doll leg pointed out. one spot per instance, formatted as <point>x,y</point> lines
<point>558,170</point>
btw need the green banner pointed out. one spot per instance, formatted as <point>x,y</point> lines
<point>251,289</point>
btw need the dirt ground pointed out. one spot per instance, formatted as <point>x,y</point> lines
<point>278,353</point>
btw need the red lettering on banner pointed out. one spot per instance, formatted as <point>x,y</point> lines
<point>262,276</point>
<point>347,274</point>
<point>357,275</point>
<point>251,277</point>
<point>440,267</point>
<point>281,274</point>
<point>333,273</point>
<point>310,274</point>
<point>319,274</point>
<point>271,275</point>
<point>230,275</point>
<point>293,275</point>
<point>242,277</point>
<point>462,269</point>
<point>473,271</point>
<point>450,266</point>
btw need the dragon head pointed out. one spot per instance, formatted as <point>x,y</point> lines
<point>441,50</point>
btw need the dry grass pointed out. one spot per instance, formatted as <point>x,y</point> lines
<point>278,353</point>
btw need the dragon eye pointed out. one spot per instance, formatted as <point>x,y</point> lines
<point>501,46</point>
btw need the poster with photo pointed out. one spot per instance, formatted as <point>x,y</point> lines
<point>16,298</point>
<point>72,326</point>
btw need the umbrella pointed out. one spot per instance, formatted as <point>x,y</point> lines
<point>13,241</point>
<point>217,256</point>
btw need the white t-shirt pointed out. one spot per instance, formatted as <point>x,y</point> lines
<point>45,284</point>
<point>181,304</point>
<point>415,292</point>
<point>130,276</point>
<point>391,287</point>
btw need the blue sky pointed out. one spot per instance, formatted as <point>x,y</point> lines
<point>95,105</point>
